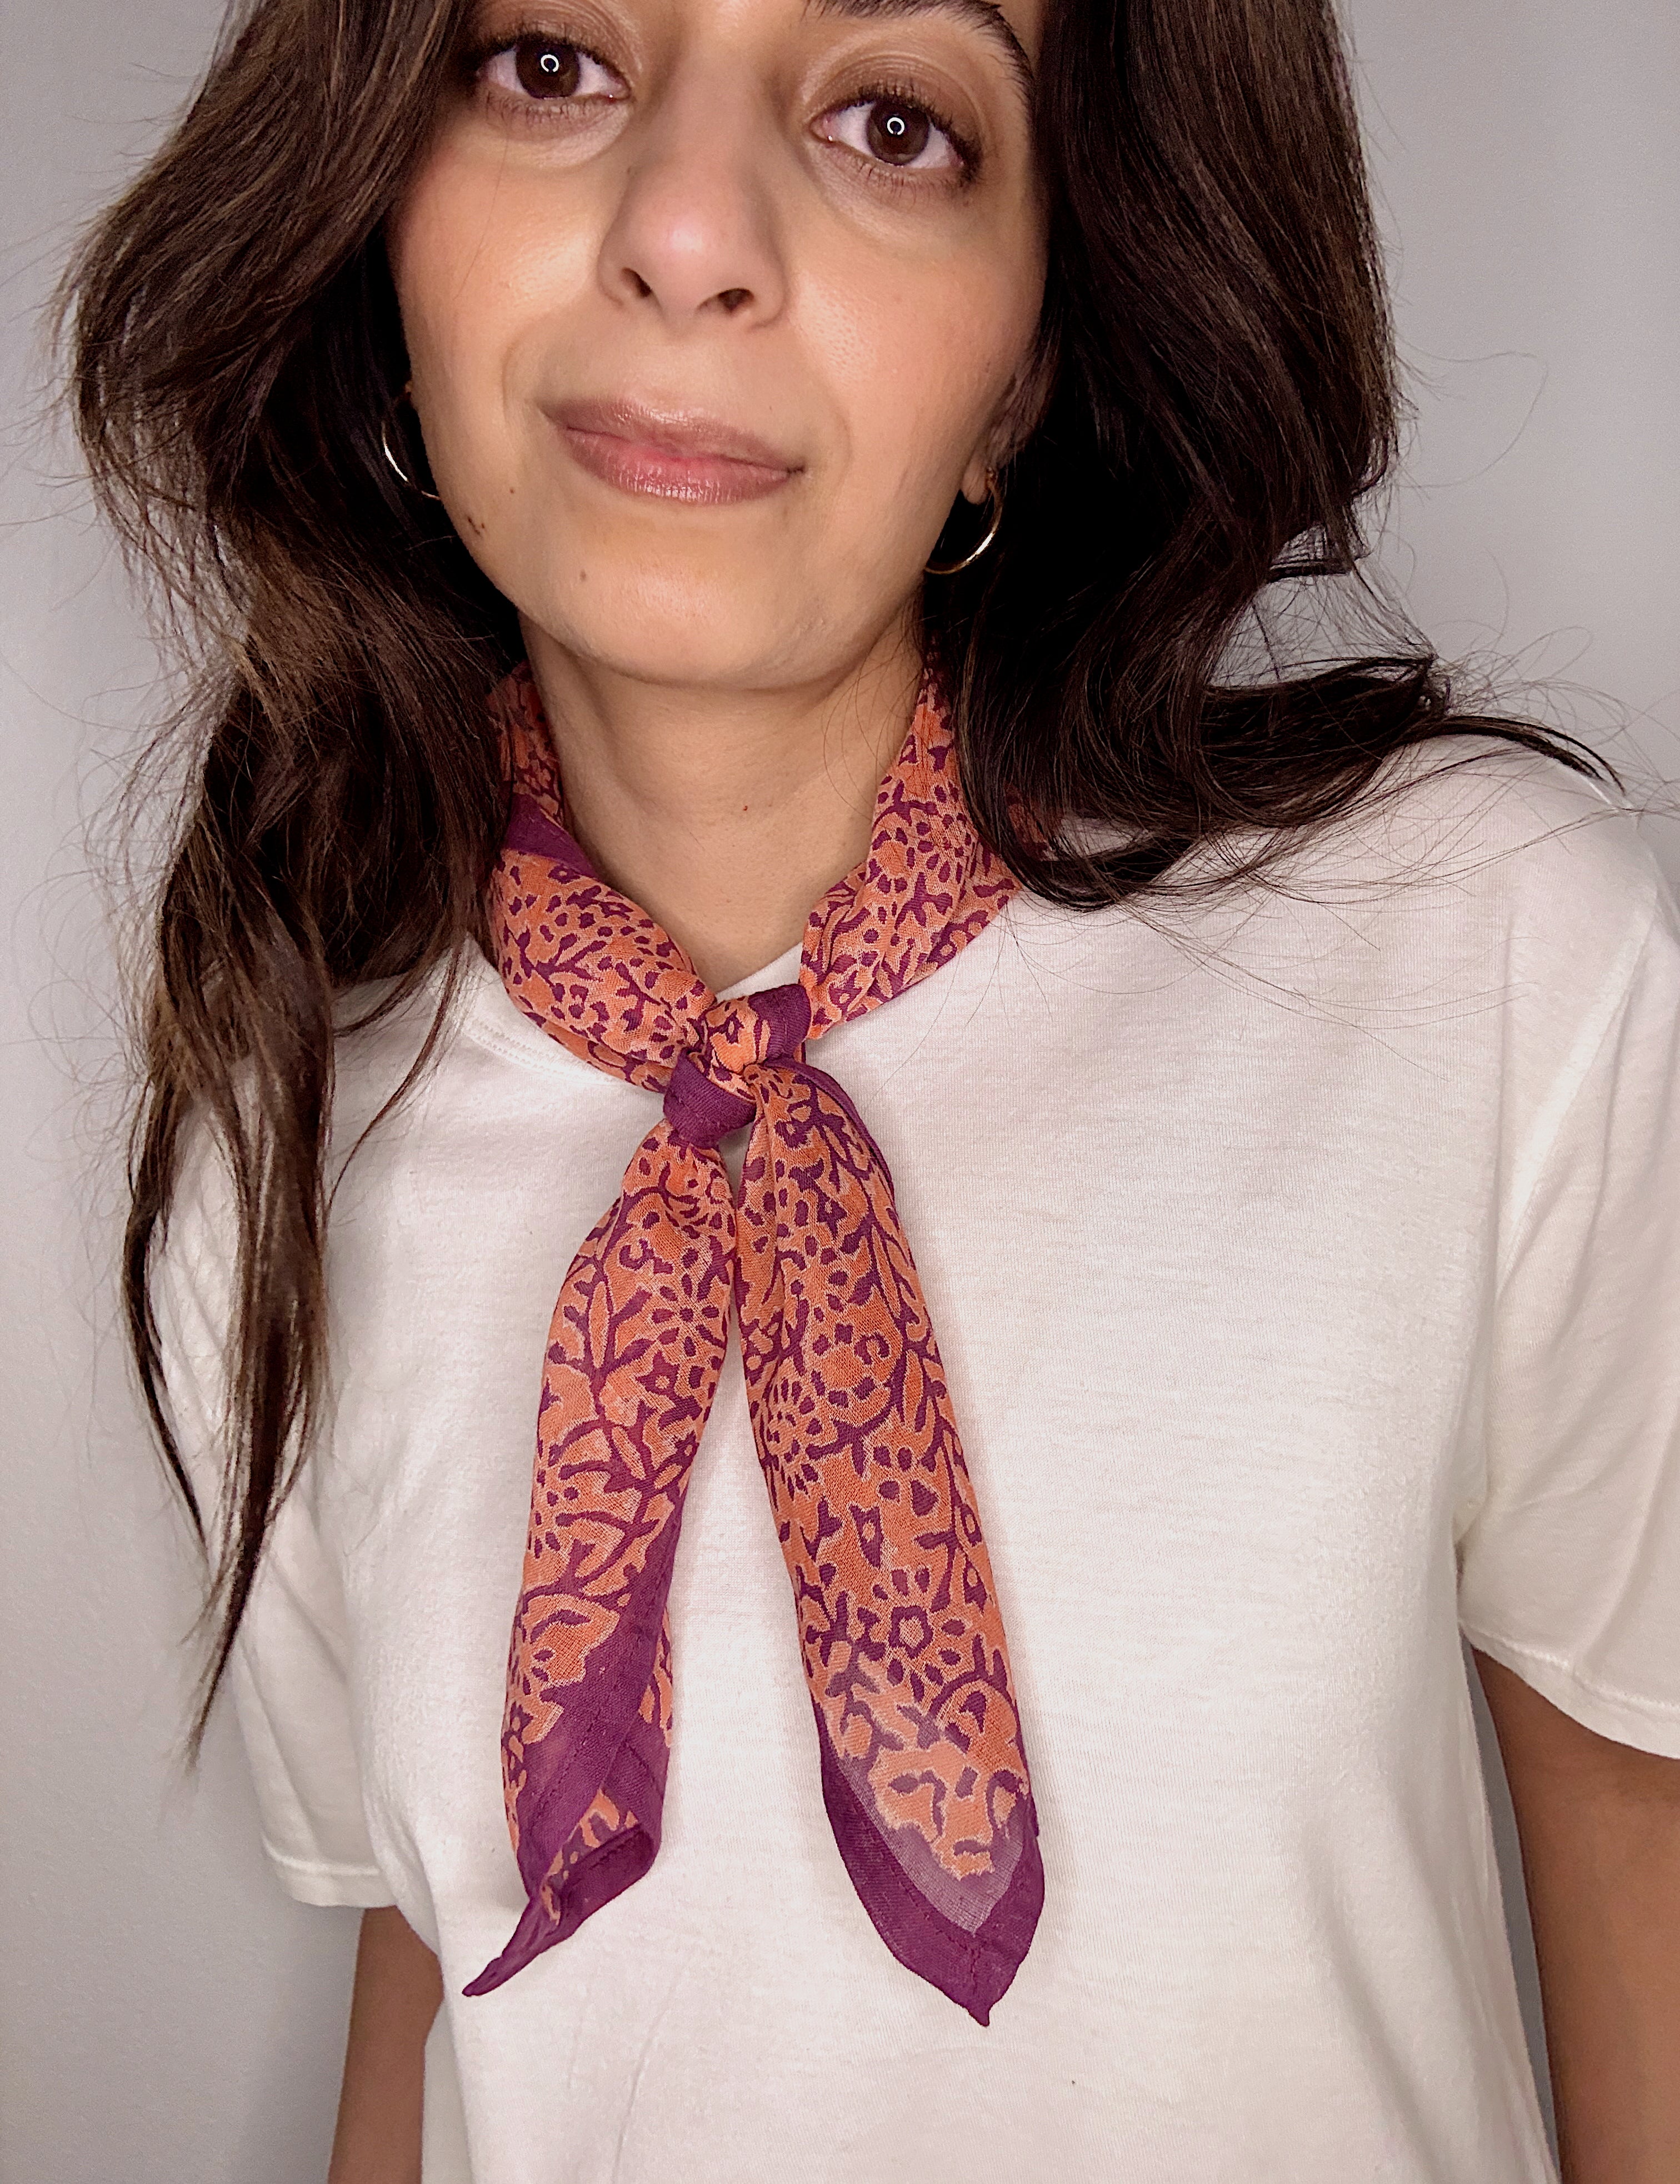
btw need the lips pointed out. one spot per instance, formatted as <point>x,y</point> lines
<point>671,455</point>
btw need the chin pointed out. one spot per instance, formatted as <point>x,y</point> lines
<point>717,630</point>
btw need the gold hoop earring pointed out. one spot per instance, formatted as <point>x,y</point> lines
<point>397,471</point>
<point>994,494</point>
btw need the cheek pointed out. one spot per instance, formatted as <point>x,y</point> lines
<point>428,241</point>
<point>920,361</point>
<point>482,270</point>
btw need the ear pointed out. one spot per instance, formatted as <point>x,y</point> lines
<point>1018,415</point>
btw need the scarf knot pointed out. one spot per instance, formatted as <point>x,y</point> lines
<point>711,1090</point>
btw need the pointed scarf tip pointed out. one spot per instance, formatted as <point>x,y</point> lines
<point>593,1882</point>
<point>973,1968</point>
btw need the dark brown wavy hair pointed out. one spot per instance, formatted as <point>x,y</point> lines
<point>1222,398</point>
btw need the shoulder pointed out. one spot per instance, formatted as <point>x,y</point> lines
<point>387,1044</point>
<point>1482,910</point>
<point>1467,830</point>
<point>383,1039</point>
<point>1468,848</point>
<point>1494,818</point>
<point>458,1040</point>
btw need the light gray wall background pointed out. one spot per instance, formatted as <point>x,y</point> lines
<point>169,2017</point>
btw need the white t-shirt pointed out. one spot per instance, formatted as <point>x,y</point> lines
<point>1305,1266</point>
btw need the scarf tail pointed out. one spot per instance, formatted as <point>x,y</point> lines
<point>924,1778</point>
<point>586,1740</point>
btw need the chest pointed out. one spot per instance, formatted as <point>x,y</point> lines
<point>1209,1291</point>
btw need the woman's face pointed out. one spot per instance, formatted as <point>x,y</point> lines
<point>713,306</point>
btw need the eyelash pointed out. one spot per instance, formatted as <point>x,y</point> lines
<point>528,112</point>
<point>905,94</point>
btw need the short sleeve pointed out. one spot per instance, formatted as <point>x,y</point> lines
<point>1570,1567</point>
<point>287,1675</point>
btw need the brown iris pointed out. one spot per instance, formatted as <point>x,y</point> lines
<point>546,67</point>
<point>896,132</point>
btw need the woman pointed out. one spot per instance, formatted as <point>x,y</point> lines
<point>725,533</point>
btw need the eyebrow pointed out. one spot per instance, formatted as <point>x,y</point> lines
<point>983,15</point>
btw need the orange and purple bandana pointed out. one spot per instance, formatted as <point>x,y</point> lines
<point>924,1775</point>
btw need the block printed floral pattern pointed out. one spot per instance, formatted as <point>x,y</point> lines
<point>923,1770</point>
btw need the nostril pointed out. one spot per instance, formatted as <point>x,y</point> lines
<point>732,298</point>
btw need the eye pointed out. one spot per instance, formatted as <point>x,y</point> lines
<point>898,132</point>
<point>542,67</point>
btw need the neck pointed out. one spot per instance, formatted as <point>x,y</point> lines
<point>726,815</point>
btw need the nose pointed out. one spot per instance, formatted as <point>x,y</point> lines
<point>694,234</point>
